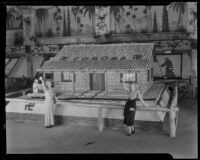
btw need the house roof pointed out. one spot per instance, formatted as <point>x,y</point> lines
<point>95,65</point>
<point>98,57</point>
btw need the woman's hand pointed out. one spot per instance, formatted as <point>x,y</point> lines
<point>56,98</point>
<point>41,78</point>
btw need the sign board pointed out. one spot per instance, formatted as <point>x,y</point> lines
<point>76,110</point>
<point>24,107</point>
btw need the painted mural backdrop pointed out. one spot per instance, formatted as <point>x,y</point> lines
<point>62,21</point>
<point>134,19</point>
<point>59,21</point>
<point>192,18</point>
<point>14,19</point>
<point>102,19</point>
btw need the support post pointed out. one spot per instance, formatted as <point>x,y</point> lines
<point>29,62</point>
<point>106,82</point>
<point>173,115</point>
<point>166,123</point>
<point>172,124</point>
<point>100,119</point>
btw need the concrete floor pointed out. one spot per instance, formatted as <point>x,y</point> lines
<point>30,137</point>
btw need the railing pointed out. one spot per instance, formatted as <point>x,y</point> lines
<point>114,110</point>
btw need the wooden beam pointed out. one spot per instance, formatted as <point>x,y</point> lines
<point>159,96</point>
<point>21,91</point>
<point>100,120</point>
<point>172,124</point>
<point>74,89</point>
<point>106,82</point>
<point>93,70</point>
<point>172,115</point>
<point>100,105</point>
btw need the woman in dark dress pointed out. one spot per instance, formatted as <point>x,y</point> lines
<point>130,108</point>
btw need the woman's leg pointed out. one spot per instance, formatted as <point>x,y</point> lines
<point>133,122</point>
<point>52,115</point>
<point>129,130</point>
<point>133,129</point>
<point>47,115</point>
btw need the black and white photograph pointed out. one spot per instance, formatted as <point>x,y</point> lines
<point>101,78</point>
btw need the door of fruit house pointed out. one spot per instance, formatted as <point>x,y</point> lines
<point>97,81</point>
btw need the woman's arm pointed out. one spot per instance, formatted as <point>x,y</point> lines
<point>126,86</point>
<point>141,98</point>
<point>53,94</point>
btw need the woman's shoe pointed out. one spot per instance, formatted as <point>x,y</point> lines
<point>48,126</point>
<point>128,134</point>
<point>132,132</point>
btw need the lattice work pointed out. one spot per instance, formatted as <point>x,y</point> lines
<point>149,103</point>
<point>154,116</point>
<point>148,116</point>
<point>113,113</point>
<point>161,115</point>
<point>76,111</point>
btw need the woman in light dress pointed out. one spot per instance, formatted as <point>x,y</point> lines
<point>48,103</point>
<point>130,106</point>
<point>35,86</point>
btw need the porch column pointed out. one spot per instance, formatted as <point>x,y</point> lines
<point>74,89</point>
<point>106,82</point>
<point>100,119</point>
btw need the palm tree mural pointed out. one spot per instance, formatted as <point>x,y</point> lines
<point>66,26</point>
<point>91,12</point>
<point>193,12</point>
<point>131,15</point>
<point>77,11</point>
<point>146,13</point>
<point>115,11</point>
<point>165,21</point>
<point>155,25</point>
<point>10,19</point>
<point>57,18</point>
<point>118,18</point>
<point>68,23</point>
<point>41,16</point>
<point>180,8</point>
